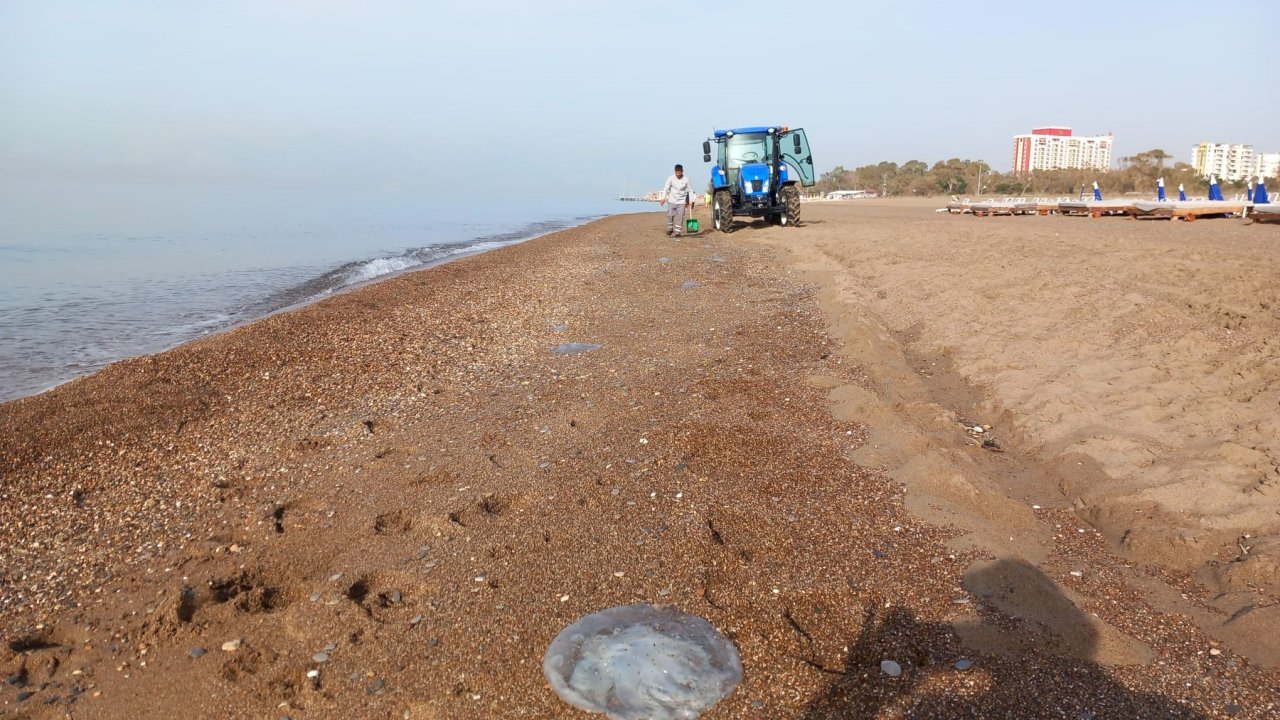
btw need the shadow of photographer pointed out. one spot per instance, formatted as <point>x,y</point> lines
<point>1031,653</point>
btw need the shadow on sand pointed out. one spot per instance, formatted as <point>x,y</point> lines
<point>1029,668</point>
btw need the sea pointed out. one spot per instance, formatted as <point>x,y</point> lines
<point>75,300</point>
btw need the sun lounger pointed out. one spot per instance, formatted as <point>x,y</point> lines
<point>993,207</point>
<point>1151,209</point>
<point>1038,206</point>
<point>1266,213</point>
<point>1188,209</point>
<point>1192,209</point>
<point>1094,208</point>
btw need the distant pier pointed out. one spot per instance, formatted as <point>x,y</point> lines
<point>647,197</point>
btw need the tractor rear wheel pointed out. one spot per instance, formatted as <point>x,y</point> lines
<point>722,211</point>
<point>790,196</point>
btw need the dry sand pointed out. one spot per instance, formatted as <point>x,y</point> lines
<point>406,479</point>
<point>1137,362</point>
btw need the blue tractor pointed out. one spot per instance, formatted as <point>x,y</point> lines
<point>757,173</point>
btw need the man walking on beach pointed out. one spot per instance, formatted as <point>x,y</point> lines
<point>676,195</point>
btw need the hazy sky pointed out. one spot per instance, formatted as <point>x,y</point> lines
<point>381,99</point>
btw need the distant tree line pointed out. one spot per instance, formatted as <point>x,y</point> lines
<point>1138,173</point>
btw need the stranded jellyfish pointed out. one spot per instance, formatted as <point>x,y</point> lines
<point>574,348</point>
<point>642,662</point>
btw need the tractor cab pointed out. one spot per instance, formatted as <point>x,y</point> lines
<point>757,172</point>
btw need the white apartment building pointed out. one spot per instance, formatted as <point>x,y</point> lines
<point>1229,162</point>
<point>1055,148</point>
<point>1266,165</point>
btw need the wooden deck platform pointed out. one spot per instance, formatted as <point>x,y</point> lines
<point>1189,210</point>
<point>1038,206</point>
<point>1094,208</point>
<point>992,207</point>
<point>1267,213</point>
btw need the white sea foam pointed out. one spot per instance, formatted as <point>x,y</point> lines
<point>71,312</point>
<point>378,267</point>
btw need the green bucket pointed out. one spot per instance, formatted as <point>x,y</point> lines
<point>691,225</point>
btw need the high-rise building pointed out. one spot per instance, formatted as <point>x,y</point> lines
<point>1266,165</point>
<point>1228,162</point>
<point>1055,148</point>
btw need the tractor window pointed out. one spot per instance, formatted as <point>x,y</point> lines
<point>747,148</point>
<point>794,147</point>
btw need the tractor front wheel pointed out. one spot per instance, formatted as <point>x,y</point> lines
<point>790,196</point>
<point>722,211</point>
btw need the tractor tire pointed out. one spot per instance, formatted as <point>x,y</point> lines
<point>790,196</point>
<point>722,211</point>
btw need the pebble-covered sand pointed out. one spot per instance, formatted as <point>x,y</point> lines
<point>387,504</point>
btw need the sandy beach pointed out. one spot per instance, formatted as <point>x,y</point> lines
<point>388,503</point>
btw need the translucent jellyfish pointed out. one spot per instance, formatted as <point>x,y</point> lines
<point>574,348</point>
<point>642,662</point>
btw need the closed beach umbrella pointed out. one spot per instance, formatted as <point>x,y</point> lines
<point>1248,191</point>
<point>1260,194</point>
<point>1097,192</point>
<point>1215,192</point>
<point>1160,190</point>
<point>1182,193</point>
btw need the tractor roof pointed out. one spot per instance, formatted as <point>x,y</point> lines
<point>759,129</point>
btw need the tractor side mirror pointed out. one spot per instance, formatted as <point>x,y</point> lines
<point>706,157</point>
<point>706,147</point>
<point>796,139</point>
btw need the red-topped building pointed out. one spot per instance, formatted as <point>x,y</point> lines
<point>1055,148</point>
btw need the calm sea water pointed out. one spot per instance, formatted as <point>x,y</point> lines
<point>72,302</point>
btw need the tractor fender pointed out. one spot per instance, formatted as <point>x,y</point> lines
<point>718,178</point>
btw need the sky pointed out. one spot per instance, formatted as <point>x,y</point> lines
<point>313,108</point>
